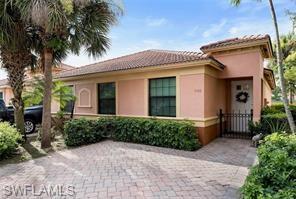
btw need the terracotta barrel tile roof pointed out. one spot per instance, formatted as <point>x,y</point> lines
<point>139,60</point>
<point>234,41</point>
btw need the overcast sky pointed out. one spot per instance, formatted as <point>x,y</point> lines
<point>186,25</point>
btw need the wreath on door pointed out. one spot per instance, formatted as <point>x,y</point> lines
<point>242,97</point>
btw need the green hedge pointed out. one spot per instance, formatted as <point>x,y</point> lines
<point>273,119</point>
<point>277,109</point>
<point>270,123</point>
<point>82,131</point>
<point>164,133</point>
<point>9,138</point>
<point>275,174</point>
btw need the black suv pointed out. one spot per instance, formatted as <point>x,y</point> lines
<point>33,116</point>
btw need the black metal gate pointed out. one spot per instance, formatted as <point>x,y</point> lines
<point>235,125</point>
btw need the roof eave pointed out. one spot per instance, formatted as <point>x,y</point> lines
<point>263,42</point>
<point>271,82</point>
<point>208,61</point>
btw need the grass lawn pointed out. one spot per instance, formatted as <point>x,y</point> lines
<point>32,149</point>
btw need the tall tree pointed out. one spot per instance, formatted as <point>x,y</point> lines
<point>288,50</point>
<point>279,62</point>
<point>290,75</point>
<point>68,25</point>
<point>15,54</point>
<point>60,93</point>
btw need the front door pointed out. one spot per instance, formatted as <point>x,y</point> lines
<point>241,105</point>
<point>241,96</point>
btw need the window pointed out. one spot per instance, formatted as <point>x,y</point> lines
<point>1,95</point>
<point>106,98</point>
<point>2,106</point>
<point>70,104</point>
<point>162,97</point>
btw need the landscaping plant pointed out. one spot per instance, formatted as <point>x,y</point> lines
<point>16,43</point>
<point>164,133</point>
<point>275,174</point>
<point>155,132</point>
<point>64,26</point>
<point>9,138</point>
<point>81,131</point>
<point>273,119</point>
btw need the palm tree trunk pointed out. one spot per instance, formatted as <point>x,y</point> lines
<point>292,92</point>
<point>280,69</point>
<point>46,115</point>
<point>15,63</point>
<point>16,82</point>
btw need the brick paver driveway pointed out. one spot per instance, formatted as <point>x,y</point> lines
<point>123,170</point>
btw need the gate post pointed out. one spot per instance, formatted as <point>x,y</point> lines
<point>221,120</point>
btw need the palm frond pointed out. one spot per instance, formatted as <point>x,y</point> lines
<point>235,2</point>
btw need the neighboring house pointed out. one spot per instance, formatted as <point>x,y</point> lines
<point>178,84</point>
<point>6,91</point>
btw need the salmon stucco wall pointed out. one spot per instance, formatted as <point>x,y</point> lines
<point>267,94</point>
<point>215,96</point>
<point>201,95</point>
<point>242,63</point>
<point>7,94</point>
<point>55,106</point>
<point>86,98</point>
<point>192,96</point>
<point>245,63</point>
<point>131,97</point>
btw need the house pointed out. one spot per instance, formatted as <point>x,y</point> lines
<point>6,92</point>
<point>227,75</point>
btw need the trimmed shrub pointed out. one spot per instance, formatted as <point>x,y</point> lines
<point>9,138</point>
<point>275,123</point>
<point>273,119</point>
<point>275,174</point>
<point>81,131</point>
<point>277,109</point>
<point>164,133</point>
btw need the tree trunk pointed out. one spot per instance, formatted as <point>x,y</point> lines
<point>280,69</point>
<point>291,94</point>
<point>46,115</point>
<point>15,63</point>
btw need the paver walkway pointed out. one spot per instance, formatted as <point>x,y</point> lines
<point>123,170</point>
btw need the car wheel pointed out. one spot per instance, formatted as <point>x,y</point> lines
<point>29,126</point>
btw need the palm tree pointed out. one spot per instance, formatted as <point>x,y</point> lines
<point>279,63</point>
<point>15,55</point>
<point>67,26</point>
<point>288,50</point>
<point>60,93</point>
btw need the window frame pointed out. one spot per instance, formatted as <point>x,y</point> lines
<point>71,102</point>
<point>2,95</point>
<point>99,98</point>
<point>149,97</point>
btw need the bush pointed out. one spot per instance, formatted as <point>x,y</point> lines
<point>277,109</point>
<point>271,121</point>
<point>275,174</point>
<point>9,138</point>
<point>164,133</point>
<point>81,131</point>
<point>275,123</point>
